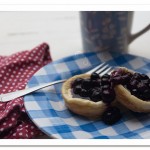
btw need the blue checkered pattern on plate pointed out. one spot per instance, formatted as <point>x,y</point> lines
<point>47,110</point>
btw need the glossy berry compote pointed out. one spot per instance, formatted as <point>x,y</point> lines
<point>138,84</point>
<point>94,88</point>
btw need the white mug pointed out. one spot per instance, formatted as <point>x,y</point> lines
<point>108,30</point>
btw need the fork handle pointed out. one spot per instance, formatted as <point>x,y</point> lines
<point>13,95</point>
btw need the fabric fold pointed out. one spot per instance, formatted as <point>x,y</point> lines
<point>15,72</point>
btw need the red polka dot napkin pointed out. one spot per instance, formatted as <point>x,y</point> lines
<point>15,71</point>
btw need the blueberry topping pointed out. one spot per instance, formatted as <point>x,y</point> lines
<point>111,115</point>
<point>141,87</point>
<point>116,80</point>
<point>135,92</point>
<point>144,77</point>
<point>95,89</point>
<point>146,95</point>
<point>86,84</point>
<point>96,96</point>
<point>106,76</point>
<point>138,84</point>
<point>137,76</point>
<point>126,78</point>
<point>107,86</point>
<point>95,83</point>
<point>133,83</point>
<point>84,93</point>
<point>95,76</point>
<point>77,89</point>
<point>108,95</point>
<point>77,81</point>
<point>105,80</point>
<point>98,88</point>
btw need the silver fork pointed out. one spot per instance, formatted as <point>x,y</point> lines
<point>100,69</point>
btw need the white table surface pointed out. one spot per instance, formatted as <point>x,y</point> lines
<point>61,30</point>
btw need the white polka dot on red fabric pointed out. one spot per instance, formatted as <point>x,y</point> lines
<point>5,78</point>
<point>10,125</point>
<point>1,129</point>
<point>15,76</point>
<point>12,119</point>
<point>20,133</point>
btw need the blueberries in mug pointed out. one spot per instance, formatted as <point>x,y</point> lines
<point>111,115</point>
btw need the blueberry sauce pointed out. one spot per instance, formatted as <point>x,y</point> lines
<point>95,88</point>
<point>138,84</point>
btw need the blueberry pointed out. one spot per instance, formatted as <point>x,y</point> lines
<point>116,80</point>
<point>146,95</point>
<point>96,96</point>
<point>108,95</point>
<point>141,87</point>
<point>137,76</point>
<point>117,72</point>
<point>86,84</point>
<point>146,82</point>
<point>106,76</point>
<point>107,86</point>
<point>94,89</point>
<point>105,80</point>
<point>135,92</point>
<point>126,77</point>
<point>77,89</point>
<point>133,83</point>
<point>84,93</point>
<point>77,82</point>
<point>111,115</point>
<point>95,76</point>
<point>95,83</point>
<point>144,77</point>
